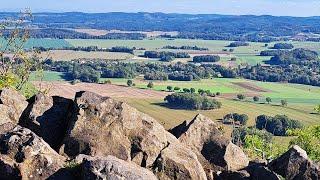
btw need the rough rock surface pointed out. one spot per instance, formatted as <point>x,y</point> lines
<point>235,175</point>
<point>108,127</point>
<point>12,105</point>
<point>25,155</point>
<point>202,135</point>
<point>48,117</point>
<point>295,164</point>
<point>111,167</point>
<point>178,162</point>
<point>259,171</point>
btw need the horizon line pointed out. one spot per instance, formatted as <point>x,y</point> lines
<point>127,12</point>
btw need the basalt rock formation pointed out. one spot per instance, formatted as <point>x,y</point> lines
<point>95,137</point>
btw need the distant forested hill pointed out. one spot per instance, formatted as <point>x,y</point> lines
<point>225,27</point>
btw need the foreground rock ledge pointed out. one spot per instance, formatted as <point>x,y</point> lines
<point>12,105</point>
<point>111,167</point>
<point>214,151</point>
<point>25,155</point>
<point>295,164</point>
<point>104,126</point>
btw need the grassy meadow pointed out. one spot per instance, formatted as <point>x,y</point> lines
<point>301,98</point>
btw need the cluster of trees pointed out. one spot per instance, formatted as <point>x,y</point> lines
<point>235,118</point>
<point>165,55</point>
<point>283,46</point>
<point>277,125</point>
<point>181,76</point>
<point>206,58</point>
<point>296,66</point>
<point>151,71</point>
<point>186,48</point>
<point>191,101</point>
<point>60,33</point>
<point>295,56</point>
<point>306,72</point>
<point>270,52</point>
<point>235,28</point>
<point>238,44</point>
<point>156,75</point>
<point>122,49</point>
<point>239,134</point>
<point>91,48</point>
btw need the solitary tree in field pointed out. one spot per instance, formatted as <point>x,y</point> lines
<point>169,88</point>
<point>317,109</point>
<point>186,90</point>
<point>150,85</point>
<point>268,99</point>
<point>241,97</point>
<point>129,82</point>
<point>284,102</point>
<point>192,90</point>
<point>255,98</point>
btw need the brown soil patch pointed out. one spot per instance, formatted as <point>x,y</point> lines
<point>251,87</point>
<point>68,90</point>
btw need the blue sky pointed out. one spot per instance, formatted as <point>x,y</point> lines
<point>256,7</point>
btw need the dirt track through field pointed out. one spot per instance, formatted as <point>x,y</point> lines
<point>68,90</point>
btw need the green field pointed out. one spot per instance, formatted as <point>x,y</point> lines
<point>46,43</point>
<point>172,117</point>
<point>47,76</point>
<point>245,55</point>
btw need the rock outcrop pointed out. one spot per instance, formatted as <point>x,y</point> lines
<point>48,117</point>
<point>101,138</point>
<point>12,105</point>
<point>111,167</point>
<point>25,155</point>
<point>295,164</point>
<point>203,136</point>
<point>105,127</point>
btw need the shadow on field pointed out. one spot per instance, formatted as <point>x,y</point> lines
<point>163,104</point>
<point>66,76</point>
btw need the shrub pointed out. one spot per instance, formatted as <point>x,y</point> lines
<point>150,85</point>
<point>169,88</point>
<point>284,102</point>
<point>309,140</point>
<point>255,98</point>
<point>241,96</point>
<point>268,99</point>
<point>235,117</point>
<point>129,82</point>
<point>108,81</point>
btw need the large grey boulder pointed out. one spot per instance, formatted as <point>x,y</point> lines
<point>295,164</point>
<point>24,155</point>
<point>104,126</point>
<point>110,167</point>
<point>203,136</point>
<point>48,117</point>
<point>12,105</point>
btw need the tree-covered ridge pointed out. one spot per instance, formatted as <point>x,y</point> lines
<point>204,26</point>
